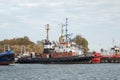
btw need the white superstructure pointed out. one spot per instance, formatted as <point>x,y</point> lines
<point>67,47</point>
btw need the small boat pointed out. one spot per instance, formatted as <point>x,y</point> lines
<point>7,56</point>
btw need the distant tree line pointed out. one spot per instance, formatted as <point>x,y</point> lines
<point>17,44</point>
<point>17,41</point>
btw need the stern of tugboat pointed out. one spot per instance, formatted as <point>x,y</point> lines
<point>96,58</point>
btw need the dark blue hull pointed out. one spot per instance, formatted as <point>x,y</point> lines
<point>6,57</point>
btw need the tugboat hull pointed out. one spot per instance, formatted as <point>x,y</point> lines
<point>63,60</point>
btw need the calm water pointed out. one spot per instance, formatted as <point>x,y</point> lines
<point>60,72</point>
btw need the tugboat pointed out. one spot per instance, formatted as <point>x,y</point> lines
<point>64,52</point>
<point>6,57</point>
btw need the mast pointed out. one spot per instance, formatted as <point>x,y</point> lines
<point>113,41</point>
<point>62,30</point>
<point>47,30</point>
<point>23,49</point>
<point>6,46</point>
<point>66,28</point>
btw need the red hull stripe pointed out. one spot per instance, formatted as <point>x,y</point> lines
<point>5,63</point>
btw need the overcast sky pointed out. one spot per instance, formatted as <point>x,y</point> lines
<point>96,20</point>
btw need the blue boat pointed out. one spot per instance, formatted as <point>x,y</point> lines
<point>6,57</point>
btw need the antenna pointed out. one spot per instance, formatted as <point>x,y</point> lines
<point>47,30</point>
<point>113,41</point>
<point>66,28</point>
